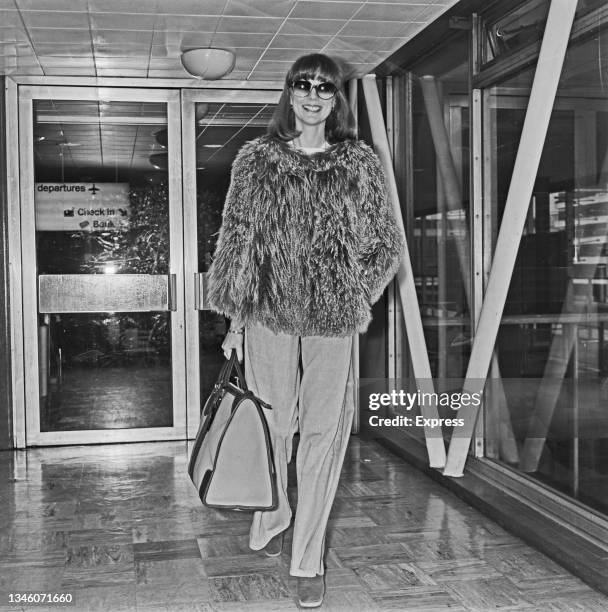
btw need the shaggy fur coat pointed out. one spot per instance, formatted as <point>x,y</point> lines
<point>308,242</point>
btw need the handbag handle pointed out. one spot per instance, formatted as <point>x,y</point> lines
<point>233,364</point>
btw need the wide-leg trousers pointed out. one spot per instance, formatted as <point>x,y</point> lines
<point>308,381</point>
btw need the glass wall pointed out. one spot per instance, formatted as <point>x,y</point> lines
<point>431,154</point>
<point>439,215</point>
<point>552,423</point>
<point>544,414</point>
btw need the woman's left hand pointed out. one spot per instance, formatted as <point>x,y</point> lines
<point>233,340</point>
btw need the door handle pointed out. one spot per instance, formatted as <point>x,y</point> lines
<point>200,291</point>
<point>172,292</point>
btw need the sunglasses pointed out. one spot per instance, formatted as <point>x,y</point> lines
<point>302,89</point>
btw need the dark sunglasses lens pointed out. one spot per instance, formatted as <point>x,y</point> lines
<point>326,90</point>
<point>301,88</point>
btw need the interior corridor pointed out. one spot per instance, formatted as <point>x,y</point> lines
<point>120,527</point>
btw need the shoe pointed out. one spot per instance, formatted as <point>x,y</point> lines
<point>311,591</point>
<point>275,547</point>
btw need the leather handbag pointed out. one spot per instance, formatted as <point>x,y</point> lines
<point>231,463</point>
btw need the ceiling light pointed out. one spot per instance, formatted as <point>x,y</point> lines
<point>202,108</point>
<point>159,160</point>
<point>208,64</point>
<point>162,137</point>
<point>213,146</point>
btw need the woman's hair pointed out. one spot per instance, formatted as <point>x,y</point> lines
<point>340,124</point>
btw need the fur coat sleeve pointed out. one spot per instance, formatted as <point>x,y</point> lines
<point>381,240</point>
<point>233,246</point>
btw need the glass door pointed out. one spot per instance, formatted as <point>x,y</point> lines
<point>215,125</point>
<point>102,240</point>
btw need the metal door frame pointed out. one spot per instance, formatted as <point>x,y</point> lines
<point>27,371</point>
<point>189,99</point>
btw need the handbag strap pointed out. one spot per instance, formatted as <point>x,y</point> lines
<point>233,365</point>
<point>224,375</point>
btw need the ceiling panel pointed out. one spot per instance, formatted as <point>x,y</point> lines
<point>326,10</point>
<point>259,8</point>
<point>55,19</point>
<point>124,37</point>
<point>122,21</point>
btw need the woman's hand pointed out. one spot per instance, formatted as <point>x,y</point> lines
<point>233,340</point>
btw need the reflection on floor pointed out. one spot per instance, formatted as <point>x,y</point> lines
<point>127,396</point>
<point>121,528</point>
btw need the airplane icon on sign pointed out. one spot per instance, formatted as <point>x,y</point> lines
<point>94,189</point>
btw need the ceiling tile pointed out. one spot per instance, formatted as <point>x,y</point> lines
<point>55,19</point>
<point>121,72</point>
<point>63,49</point>
<point>162,51</point>
<point>287,55</point>
<point>140,37</point>
<point>13,34</point>
<point>52,5</point>
<point>8,65</point>
<point>259,8</point>
<point>265,75</point>
<point>121,50</point>
<point>363,42</point>
<point>138,63</point>
<point>192,7</point>
<point>73,71</point>
<point>183,40</point>
<point>241,40</point>
<point>57,35</point>
<point>249,53</point>
<point>326,10</point>
<point>10,19</point>
<point>353,56</point>
<point>307,27</point>
<point>122,21</point>
<point>54,61</point>
<point>258,25</point>
<point>125,6</point>
<point>188,23</point>
<point>314,43</point>
<point>279,68</point>
<point>391,12</point>
<point>243,64</point>
<point>165,63</point>
<point>373,28</point>
<point>238,75</point>
<point>28,70</point>
<point>167,74</point>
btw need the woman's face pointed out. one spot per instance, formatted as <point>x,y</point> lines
<point>311,110</point>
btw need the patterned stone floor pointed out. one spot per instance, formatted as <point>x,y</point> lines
<point>120,527</point>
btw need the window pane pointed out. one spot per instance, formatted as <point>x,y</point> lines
<point>101,201</point>
<point>547,416</point>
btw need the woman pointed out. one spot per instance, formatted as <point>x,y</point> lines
<point>308,243</point>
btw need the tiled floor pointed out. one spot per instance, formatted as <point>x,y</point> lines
<point>121,528</point>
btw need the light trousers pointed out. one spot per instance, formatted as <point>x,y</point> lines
<point>308,381</point>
